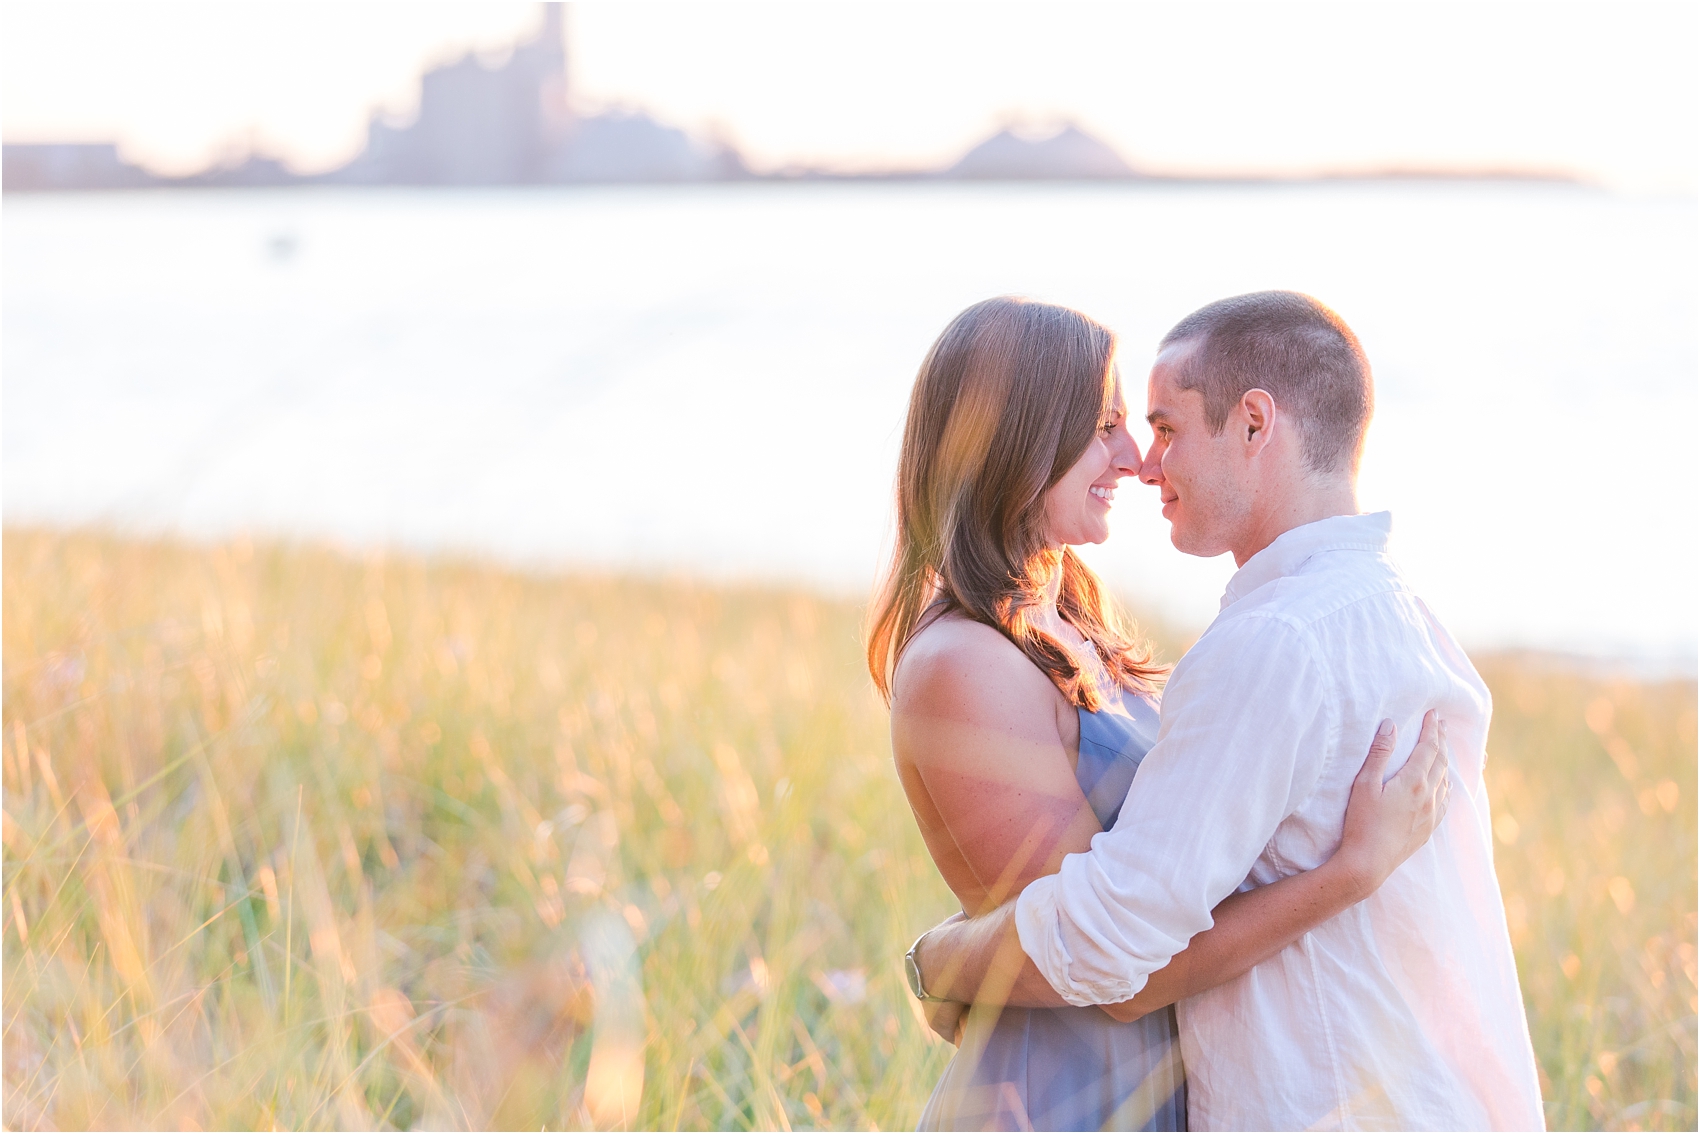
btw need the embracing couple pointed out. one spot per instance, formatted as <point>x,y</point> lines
<point>1278,923</point>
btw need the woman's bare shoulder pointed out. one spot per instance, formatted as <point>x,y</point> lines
<point>955,666</point>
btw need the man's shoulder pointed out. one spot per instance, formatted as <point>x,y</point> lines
<point>1290,621</point>
<point>1261,636</point>
<point>1324,585</point>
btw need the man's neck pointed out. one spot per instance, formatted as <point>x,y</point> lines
<point>1312,501</point>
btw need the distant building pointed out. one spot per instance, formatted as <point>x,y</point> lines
<point>632,146</point>
<point>1069,154</point>
<point>68,165</point>
<point>477,125</point>
<point>255,171</point>
<point>513,125</point>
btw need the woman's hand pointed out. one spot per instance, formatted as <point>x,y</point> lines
<point>946,1018</point>
<point>1387,822</point>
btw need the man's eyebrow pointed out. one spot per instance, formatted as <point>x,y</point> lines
<point>1151,418</point>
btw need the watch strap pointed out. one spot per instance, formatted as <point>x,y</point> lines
<point>912,970</point>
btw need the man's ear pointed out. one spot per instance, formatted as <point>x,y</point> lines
<point>1257,418</point>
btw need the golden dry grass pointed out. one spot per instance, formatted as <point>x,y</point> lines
<point>1593,787</point>
<point>302,840</point>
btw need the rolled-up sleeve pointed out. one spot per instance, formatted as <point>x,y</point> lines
<point>1247,727</point>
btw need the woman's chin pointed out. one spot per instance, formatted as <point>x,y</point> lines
<point>1096,536</point>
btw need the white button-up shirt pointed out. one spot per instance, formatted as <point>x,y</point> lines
<point>1404,1011</point>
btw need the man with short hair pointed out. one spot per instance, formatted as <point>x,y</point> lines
<point>1403,1012</point>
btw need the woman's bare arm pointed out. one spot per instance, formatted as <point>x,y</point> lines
<point>975,734</point>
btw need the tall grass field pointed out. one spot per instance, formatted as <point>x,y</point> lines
<point>298,839</point>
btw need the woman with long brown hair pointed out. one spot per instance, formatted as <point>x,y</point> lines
<point>1022,702</point>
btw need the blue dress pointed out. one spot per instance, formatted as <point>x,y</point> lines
<point>1073,1068</point>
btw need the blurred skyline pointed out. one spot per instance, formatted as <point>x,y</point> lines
<point>1606,92</point>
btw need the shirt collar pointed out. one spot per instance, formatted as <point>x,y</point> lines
<point>1290,549</point>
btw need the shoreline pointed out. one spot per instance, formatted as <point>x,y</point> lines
<point>1643,667</point>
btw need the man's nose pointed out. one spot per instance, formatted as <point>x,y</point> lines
<point>1151,469</point>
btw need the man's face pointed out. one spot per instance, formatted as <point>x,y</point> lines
<point>1202,477</point>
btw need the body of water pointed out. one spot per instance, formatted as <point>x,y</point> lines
<point>712,379</point>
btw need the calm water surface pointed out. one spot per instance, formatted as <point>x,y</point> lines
<point>713,379</point>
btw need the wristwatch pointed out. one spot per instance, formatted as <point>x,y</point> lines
<point>912,970</point>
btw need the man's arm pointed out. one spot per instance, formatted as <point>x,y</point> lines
<point>1250,723</point>
<point>980,960</point>
<point>1387,820</point>
<point>1246,732</point>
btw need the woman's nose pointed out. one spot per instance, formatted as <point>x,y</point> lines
<point>1126,457</point>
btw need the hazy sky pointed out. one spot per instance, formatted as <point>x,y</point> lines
<point>1606,90</point>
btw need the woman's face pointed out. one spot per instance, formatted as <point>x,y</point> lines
<point>1077,507</point>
